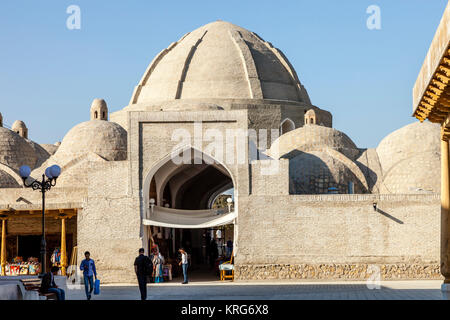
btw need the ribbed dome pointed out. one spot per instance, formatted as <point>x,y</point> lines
<point>315,172</point>
<point>107,139</point>
<point>7,181</point>
<point>313,138</point>
<point>222,61</point>
<point>15,150</point>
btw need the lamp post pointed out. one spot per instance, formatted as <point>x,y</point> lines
<point>52,173</point>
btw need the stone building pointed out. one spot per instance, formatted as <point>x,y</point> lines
<point>307,202</point>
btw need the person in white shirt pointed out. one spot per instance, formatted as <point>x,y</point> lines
<point>184,264</point>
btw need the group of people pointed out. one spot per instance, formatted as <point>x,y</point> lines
<point>48,284</point>
<point>143,266</point>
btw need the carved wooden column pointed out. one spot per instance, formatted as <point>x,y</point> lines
<point>63,245</point>
<point>3,246</point>
<point>445,207</point>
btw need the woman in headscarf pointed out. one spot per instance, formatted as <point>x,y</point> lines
<point>158,261</point>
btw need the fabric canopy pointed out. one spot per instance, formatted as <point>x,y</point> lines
<point>188,219</point>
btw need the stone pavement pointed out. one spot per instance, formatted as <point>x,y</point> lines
<point>269,290</point>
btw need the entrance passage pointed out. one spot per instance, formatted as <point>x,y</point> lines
<point>190,205</point>
<point>207,249</point>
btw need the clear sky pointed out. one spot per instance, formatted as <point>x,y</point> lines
<point>49,74</point>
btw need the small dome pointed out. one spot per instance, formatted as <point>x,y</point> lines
<point>426,180</point>
<point>313,138</point>
<point>99,110</point>
<point>15,151</point>
<point>315,172</point>
<point>220,61</point>
<point>408,141</point>
<point>410,159</point>
<point>7,181</point>
<point>20,128</point>
<point>106,139</point>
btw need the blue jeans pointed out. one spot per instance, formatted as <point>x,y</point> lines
<point>88,282</point>
<point>60,294</point>
<point>185,267</point>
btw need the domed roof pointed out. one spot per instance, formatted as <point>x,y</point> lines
<point>403,152</point>
<point>107,139</point>
<point>18,124</point>
<point>407,142</point>
<point>316,171</point>
<point>40,152</point>
<point>15,151</point>
<point>222,61</point>
<point>428,179</point>
<point>50,148</point>
<point>7,181</point>
<point>312,137</point>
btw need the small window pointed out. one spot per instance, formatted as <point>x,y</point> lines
<point>95,115</point>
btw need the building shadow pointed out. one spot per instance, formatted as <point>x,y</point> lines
<point>389,216</point>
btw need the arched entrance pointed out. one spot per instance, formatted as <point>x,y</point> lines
<point>189,202</point>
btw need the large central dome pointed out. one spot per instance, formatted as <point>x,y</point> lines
<point>219,61</point>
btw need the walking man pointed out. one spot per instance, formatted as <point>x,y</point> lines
<point>184,264</point>
<point>143,268</point>
<point>88,268</point>
<point>48,284</point>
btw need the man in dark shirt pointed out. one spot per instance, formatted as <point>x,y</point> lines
<point>48,284</point>
<point>142,267</point>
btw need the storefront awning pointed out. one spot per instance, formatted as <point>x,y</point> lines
<point>188,219</point>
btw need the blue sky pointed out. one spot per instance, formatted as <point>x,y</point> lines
<point>49,74</point>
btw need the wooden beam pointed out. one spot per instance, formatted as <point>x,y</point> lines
<point>445,70</point>
<point>436,90</point>
<point>442,78</point>
<point>431,95</point>
<point>439,84</point>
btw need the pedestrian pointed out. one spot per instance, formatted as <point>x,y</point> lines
<point>213,253</point>
<point>229,248</point>
<point>158,261</point>
<point>184,264</point>
<point>143,269</point>
<point>89,272</point>
<point>48,284</point>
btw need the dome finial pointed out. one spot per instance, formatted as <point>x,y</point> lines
<point>99,110</point>
<point>20,128</point>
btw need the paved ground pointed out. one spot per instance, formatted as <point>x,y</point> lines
<point>289,290</point>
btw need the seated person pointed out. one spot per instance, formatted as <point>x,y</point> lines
<point>48,284</point>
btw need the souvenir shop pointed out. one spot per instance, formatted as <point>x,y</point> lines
<point>21,242</point>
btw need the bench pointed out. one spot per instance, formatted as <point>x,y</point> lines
<point>34,284</point>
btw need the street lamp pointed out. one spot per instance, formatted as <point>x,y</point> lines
<point>52,173</point>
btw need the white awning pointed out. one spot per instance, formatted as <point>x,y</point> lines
<point>188,219</point>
